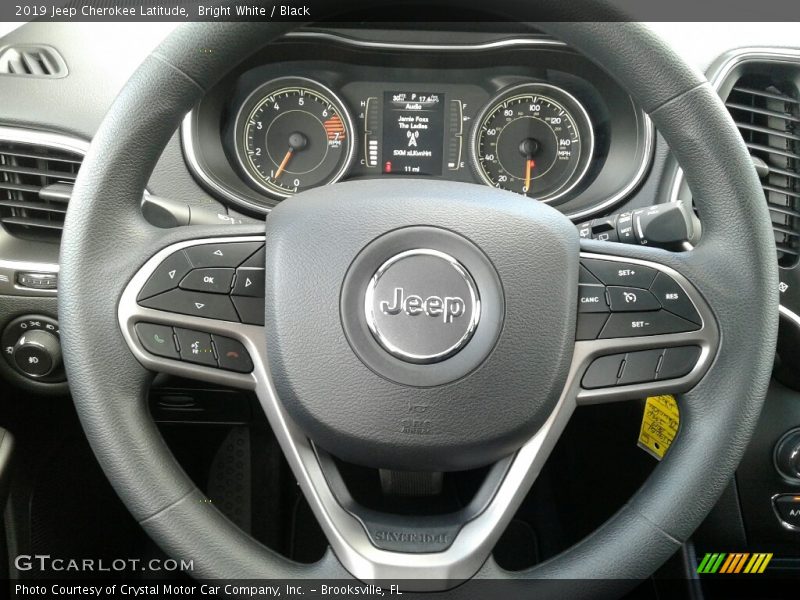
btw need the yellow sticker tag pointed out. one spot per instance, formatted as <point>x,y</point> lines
<point>659,425</point>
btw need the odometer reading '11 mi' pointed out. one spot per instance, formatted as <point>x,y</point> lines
<point>294,134</point>
<point>533,139</point>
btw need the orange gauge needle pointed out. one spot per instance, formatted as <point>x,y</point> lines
<point>529,164</point>
<point>284,162</point>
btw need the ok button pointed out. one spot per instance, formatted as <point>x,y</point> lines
<point>211,280</point>
<point>592,298</point>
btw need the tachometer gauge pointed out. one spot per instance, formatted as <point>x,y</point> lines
<point>535,139</point>
<point>293,134</point>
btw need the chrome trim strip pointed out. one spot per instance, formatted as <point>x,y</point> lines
<point>44,138</point>
<point>189,137</point>
<point>717,75</point>
<point>9,267</point>
<point>374,45</point>
<point>189,144</point>
<point>350,542</point>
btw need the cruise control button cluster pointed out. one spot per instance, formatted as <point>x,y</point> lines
<point>641,367</point>
<point>192,346</point>
<point>222,281</point>
<point>618,299</point>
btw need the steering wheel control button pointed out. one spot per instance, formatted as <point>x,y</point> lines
<point>640,367</point>
<point>422,306</point>
<point>167,275</point>
<point>590,325</point>
<point>157,339</point>
<point>198,304</point>
<point>673,298</point>
<point>787,507</point>
<point>628,299</point>
<point>249,282</point>
<point>212,280</point>
<point>251,310</point>
<point>592,298</point>
<point>603,372</point>
<point>196,347</point>
<point>620,273</point>
<point>620,325</point>
<point>230,254</point>
<point>584,276</point>
<point>678,362</point>
<point>232,355</point>
<point>257,260</point>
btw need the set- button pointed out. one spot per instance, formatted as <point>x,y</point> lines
<point>223,281</point>
<point>617,299</point>
<point>193,346</point>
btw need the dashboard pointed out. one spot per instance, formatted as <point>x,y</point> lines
<point>523,114</point>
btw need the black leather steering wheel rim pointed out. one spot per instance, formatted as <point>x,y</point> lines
<point>733,267</point>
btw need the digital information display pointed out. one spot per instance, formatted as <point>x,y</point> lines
<point>413,133</point>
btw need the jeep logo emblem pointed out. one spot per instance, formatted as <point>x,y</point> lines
<point>448,308</point>
<point>432,323</point>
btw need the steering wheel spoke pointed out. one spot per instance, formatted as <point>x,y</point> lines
<point>643,328</point>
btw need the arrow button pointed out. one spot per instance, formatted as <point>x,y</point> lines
<point>199,304</point>
<point>230,254</point>
<point>249,282</point>
<point>166,275</point>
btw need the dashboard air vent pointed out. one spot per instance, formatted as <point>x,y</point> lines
<point>767,112</point>
<point>32,61</point>
<point>35,186</point>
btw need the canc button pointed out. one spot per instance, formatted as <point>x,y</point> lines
<point>592,298</point>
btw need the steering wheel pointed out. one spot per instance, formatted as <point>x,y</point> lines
<point>416,325</point>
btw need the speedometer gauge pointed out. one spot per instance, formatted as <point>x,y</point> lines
<point>293,134</point>
<point>534,139</point>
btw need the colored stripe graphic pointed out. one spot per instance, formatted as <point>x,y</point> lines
<point>735,562</point>
<point>758,563</point>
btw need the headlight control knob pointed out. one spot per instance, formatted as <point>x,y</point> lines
<point>37,353</point>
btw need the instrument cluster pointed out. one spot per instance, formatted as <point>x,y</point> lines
<point>534,120</point>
